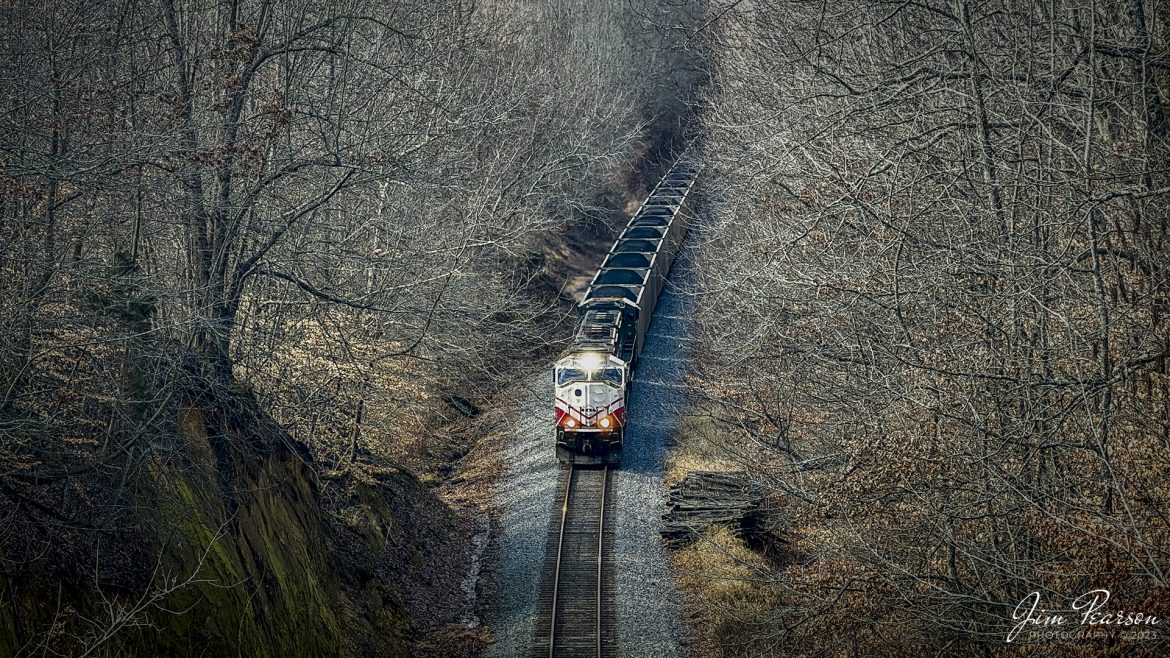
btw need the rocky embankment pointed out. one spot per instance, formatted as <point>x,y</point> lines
<point>228,542</point>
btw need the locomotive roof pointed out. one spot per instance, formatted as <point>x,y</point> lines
<point>597,330</point>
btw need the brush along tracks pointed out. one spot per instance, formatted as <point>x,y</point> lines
<point>576,611</point>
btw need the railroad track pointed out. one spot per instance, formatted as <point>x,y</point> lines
<point>576,611</point>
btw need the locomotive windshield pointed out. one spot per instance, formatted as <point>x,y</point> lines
<point>568,375</point>
<point>611,376</point>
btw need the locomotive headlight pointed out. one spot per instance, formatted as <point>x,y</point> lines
<point>570,423</point>
<point>590,361</point>
<point>605,422</point>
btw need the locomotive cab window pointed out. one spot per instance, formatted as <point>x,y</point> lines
<point>568,375</point>
<point>609,375</point>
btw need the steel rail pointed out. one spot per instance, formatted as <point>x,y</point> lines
<point>552,633</point>
<point>600,542</point>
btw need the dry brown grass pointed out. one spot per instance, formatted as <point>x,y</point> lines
<point>727,596</point>
<point>696,448</point>
<point>724,582</point>
<point>317,385</point>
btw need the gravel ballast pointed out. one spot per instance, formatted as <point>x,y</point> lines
<point>524,499</point>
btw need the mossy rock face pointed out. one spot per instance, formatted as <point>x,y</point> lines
<point>239,557</point>
<point>258,563</point>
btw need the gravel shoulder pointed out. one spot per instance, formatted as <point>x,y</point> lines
<point>524,498</point>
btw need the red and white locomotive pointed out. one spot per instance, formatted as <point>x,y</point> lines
<point>592,381</point>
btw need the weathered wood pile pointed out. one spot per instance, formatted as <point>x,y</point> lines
<point>705,498</point>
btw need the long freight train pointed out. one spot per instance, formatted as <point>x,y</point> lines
<point>592,382</point>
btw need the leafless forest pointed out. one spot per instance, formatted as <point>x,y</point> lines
<point>331,215</point>
<point>314,193</point>
<point>254,255</point>
<point>934,302</point>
